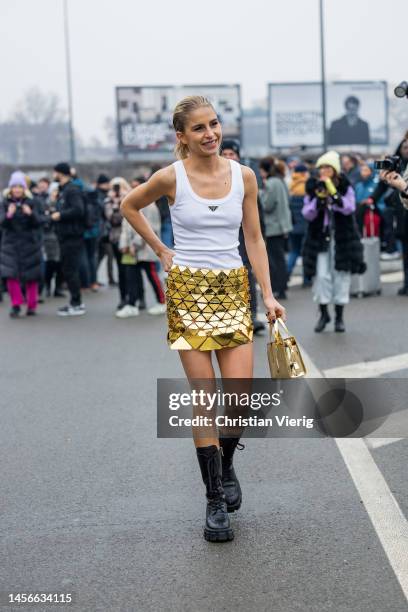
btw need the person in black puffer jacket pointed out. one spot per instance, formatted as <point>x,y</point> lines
<point>21,219</point>
<point>70,226</point>
<point>332,249</point>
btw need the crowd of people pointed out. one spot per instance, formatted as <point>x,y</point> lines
<point>56,233</point>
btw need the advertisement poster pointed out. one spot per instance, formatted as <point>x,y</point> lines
<point>356,114</point>
<point>144,114</point>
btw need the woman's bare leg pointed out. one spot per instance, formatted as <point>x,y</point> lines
<point>198,365</point>
<point>236,363</point>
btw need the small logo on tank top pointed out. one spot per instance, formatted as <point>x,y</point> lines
<point>212,208</point>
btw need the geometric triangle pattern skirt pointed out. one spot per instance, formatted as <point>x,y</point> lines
<point>208,309</point>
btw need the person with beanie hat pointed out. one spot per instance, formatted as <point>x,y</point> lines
<point>229,144</point>
<point>20,255</point>
<point>70,226</point>
<point>332,249</point>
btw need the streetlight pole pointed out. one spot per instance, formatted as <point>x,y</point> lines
<point>323,74</point>
<point>69,84</point>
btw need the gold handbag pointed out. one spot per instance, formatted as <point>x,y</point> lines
<point>285,359</point>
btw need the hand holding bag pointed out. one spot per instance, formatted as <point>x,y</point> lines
<point>285,359</point>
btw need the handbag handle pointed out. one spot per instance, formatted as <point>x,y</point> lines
<point>275,327</point>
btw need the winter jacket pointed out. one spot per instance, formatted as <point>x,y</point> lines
<point>275,204</point>
<point>114,218</point>
<point>365,189</point>
<point>70,204</point>
<point>50,236</point>
<point>298,220</point>
<point>297,183</point>
<point>128,236</point>
<point>20,252</point>
<point>329,218</point>
<point>297,190</point>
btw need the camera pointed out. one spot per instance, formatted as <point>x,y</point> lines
<point>116,189</point>
<point>321,189</point>
<point>321,186</point>
<point>391,163</point>
<point>401,90</point>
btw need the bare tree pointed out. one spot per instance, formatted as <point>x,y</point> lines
<point>36,132</point>
<point>38,108</point>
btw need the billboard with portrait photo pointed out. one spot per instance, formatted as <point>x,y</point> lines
<point>356,114</point>
<point>144,114</point>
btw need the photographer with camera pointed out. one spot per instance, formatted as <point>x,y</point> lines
<point>20,220</point>
<point>394,174</point>
<point>119,187</point>
<point>332,250</point>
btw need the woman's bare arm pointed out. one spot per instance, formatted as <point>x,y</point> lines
<point>162,183</point>
<point>255,244</point>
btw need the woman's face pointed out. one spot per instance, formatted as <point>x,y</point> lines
<point>404,149</point>
<point>263,173</point>
<point>326,172</point>
<point>17,192</point>
<point>202,134</point>
<point>365,172</point>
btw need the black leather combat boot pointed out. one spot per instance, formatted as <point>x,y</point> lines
<point>230,482</point>
<point>324,318</point>
<point>339,323</point>
<point>217,524</point>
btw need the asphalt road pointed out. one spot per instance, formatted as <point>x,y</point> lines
<point>92,503</point>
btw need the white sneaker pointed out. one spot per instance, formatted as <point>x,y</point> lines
<point>127,311</point>
<point>157,309</point>
<point>390,256</point>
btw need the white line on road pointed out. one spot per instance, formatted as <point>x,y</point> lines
<point>382,508</point>
<point>379,442</point>
<point>369,369</point>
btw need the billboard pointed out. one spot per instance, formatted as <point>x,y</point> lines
<point>356,114</point>
<point>144,114</point>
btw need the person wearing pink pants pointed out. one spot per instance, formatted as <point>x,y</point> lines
<point>17,298</point>
<point>21,218</point>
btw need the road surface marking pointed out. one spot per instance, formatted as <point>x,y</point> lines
<point>381,506</point>
<point>385,514</point>
<point>379,442</point>
<point>369,369</point>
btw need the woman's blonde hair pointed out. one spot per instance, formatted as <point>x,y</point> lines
<point>180,116</point>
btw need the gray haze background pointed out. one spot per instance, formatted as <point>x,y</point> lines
<point>128,42</point>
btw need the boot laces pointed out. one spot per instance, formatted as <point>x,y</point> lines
<point>216,504</point>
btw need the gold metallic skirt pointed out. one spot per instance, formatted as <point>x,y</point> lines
<point>208,309</point>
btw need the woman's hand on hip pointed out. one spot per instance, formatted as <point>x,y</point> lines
<point>274,310</point>
<point>166,258</point>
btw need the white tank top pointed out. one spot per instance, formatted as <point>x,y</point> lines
<point>206,231</point>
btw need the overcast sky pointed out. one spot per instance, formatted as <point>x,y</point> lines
<point>153,42</point>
